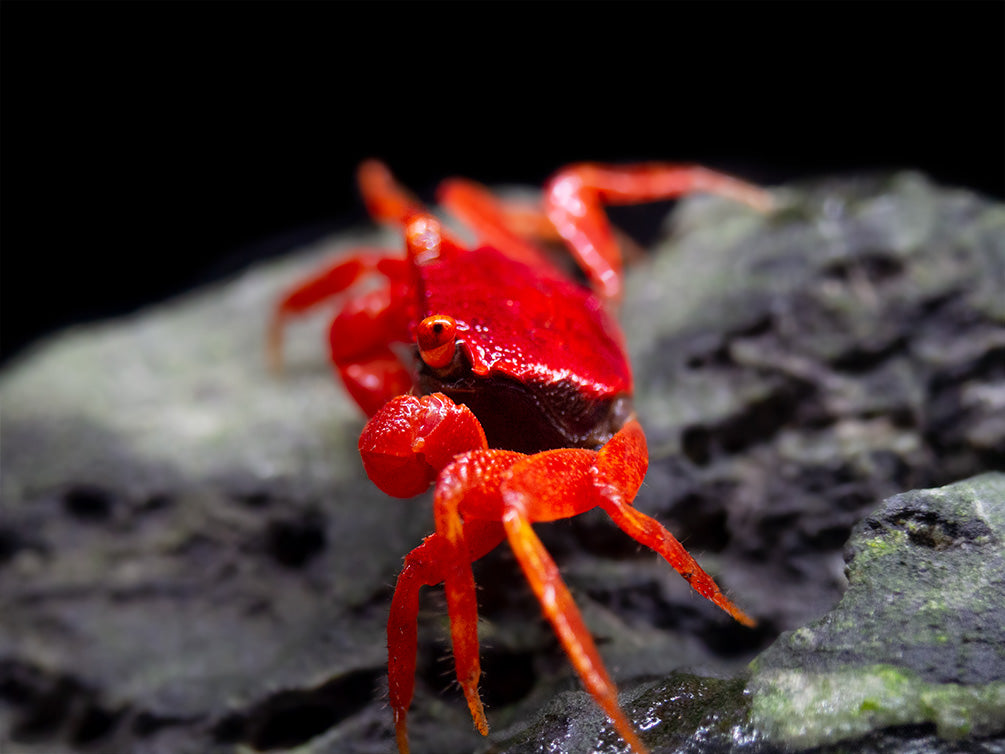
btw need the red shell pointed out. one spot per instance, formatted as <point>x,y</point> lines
<point>527,322</point>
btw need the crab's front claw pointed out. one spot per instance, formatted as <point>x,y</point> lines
<point>410,440</point>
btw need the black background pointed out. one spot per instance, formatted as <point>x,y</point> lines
<point>150,147</point>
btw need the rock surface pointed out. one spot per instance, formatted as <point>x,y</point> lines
<point>911,659</point>
<point>917,640</point>
<point>191,559</point>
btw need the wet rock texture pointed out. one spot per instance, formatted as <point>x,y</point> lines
<point>912,659</point>
<point>191,559</point>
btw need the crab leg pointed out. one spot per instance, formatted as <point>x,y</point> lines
<point>500,224</point>
<point>426,565</point>
<point>323,285</point>
<point>404,447</point>
<point>517,489</point>
<point>472,481</point>
<point>413,441</point>
<point>573,211</point>
<point>362,331</point>
<point>360,338</point>
<point>541,478</point>
<point>560,609</point>
<point>575,196</point>
<point>546,486</point>
<point>615,477</point>
<point>385,199</point>
<point>388,201</point>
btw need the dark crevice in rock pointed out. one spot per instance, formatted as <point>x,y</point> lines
<point>717,352</point>
<point>13,541</point>
<point>730,639</point>
<point>293,542</point>
<point>256,499</point>
<point>290,718</point>
<point>145,724</point>
<point>507,676</point>
<point>643,599</point>
<point>705,519</point>
<point>158,501</point>
<point>931,530</point>
<point>860,360</point>
<point>51,707</point>
<point>89,503</point>
<point>875,267</point>
<point>759,422</point>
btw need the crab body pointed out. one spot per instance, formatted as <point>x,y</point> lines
<point>538,346</point>
<point>492,375</point>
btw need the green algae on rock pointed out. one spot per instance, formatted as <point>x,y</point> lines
<point>919,637</point>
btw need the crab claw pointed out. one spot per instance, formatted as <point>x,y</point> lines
<point>408,441</point>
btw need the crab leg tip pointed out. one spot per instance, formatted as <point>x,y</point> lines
<point>477,711</point>
<point>738,615</point>
<point>401,731</point>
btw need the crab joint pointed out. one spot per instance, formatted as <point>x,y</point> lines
<point>423,238</point>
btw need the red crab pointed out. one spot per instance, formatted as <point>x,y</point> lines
<point>517,403</point>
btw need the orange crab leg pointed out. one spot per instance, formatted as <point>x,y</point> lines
<point>426,565</point>
<point>413,441</point>
<point>499,224</point>
<point>575,196</point>
<point>493,485</point>
<point>322,285</point>
<point>387,200</point>
<point>472,481</point>
<point>560,609</point>
<point>535,484</point>
<point>404,448</point>
<point>618,473</point>
<point>361,333</point>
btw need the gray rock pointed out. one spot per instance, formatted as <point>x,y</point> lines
<point>919,637</point>
<point>912,659</point>
<point>192,560</point>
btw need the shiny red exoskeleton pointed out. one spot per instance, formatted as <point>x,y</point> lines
<point>516,403</point>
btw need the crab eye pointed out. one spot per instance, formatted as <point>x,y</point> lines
<point>436,335</point>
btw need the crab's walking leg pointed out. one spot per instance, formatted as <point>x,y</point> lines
<point>560,483</point>
<point>500,224</point>
<point>567,622</point>
<point>575,196</point>
<point>534,487</point>
<point>409,443</point>
<point>388,201</point>
<point>473,481</point>
<point>385,199</point>
<point>361,334</point>
<point>426,565</point>
<point>360,339</point>
<point>615,478</point>
<point>321,286</point>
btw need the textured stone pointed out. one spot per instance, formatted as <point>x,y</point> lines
<point>918,638</point>
<point>191,558</point>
